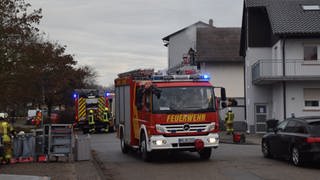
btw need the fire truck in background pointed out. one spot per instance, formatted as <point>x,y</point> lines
<point>157,112</point>
<point>95,100</point>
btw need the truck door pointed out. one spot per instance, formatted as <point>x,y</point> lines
<point>145,111</point>
<point>123,115</point>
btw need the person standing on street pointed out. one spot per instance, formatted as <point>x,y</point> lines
<point>105,120</point>
<point>38,119</point>
<point>91,122</point>
<point>6,131</point>
<point>229,121</point>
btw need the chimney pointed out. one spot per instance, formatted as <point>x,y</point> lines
<point>211,22</point>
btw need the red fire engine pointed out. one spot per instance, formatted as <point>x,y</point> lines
<point>167,112</point>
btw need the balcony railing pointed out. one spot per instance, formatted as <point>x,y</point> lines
<point>270,71</point>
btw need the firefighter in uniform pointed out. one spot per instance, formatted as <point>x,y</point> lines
<point>91,122</point>
<point>105,120</point>
<point>6,131</point>
<point>229,121</point>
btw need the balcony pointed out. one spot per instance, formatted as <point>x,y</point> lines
<point>269,71</point>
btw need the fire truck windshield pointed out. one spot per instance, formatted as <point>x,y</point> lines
<point>92,103</point>
<point>183,99</point>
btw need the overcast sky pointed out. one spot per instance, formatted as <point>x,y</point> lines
<point>115,36</point>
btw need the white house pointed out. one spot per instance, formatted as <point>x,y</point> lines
<point>280,41</point>
<point>216,52</point>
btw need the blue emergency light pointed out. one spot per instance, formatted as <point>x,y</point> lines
<point>107,94</point>
<point>75,95</point>
<point>205,76</point>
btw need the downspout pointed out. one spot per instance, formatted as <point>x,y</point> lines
<point>284,75</point>
<point>246,45</point>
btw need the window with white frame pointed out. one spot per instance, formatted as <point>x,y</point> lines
<point>310,52</point>
<point>311,98</point>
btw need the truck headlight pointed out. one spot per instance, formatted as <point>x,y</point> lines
<point>160,129</point>
<point>211,126</point>
<point>212,140</point>
<point>159,142</point>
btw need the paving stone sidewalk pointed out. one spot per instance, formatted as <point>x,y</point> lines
<point>78,170</point>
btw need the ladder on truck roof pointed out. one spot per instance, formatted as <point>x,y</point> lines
<point>138,74</point>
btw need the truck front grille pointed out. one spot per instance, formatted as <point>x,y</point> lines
<point>183,128</point>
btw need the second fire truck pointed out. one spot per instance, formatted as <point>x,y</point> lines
<point>158,112</point>
<point>98,104</point>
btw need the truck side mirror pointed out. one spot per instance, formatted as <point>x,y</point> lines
<point>223,105</point>
<point>223,94</point>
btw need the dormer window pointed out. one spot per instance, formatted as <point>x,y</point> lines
<point>311,7</point>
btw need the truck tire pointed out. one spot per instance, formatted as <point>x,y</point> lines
<point>205,153</point>
<point>111,128</point>
<point>85,130</point>
<point>146,156</point>
<point>124,146</point>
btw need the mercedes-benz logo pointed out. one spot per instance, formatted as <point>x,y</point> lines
<point>186,127</point>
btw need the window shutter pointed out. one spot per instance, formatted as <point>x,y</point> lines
<point>312,94</point>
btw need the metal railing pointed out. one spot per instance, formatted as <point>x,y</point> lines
<point>269,69</point>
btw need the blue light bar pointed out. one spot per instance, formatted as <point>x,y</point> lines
<point>107,94</point>
<point>205,77</point>
<point>75,95</point>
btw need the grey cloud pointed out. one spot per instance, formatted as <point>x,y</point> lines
<point>120,35</point>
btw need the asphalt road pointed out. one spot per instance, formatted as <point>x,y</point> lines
<point>229,161</point>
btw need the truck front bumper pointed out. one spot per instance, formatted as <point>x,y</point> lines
<point>159,142</point>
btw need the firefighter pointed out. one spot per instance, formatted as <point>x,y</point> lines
<point>105,120</point>
<point>6,131</point>
<point>91,122</point>
<point>229,121</point>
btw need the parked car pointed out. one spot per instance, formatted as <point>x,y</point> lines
<point>297,139</point>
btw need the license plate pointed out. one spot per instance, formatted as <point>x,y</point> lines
<point>186,140</point>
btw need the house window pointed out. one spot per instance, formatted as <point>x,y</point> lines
<point>311,103</point>
<point>311,7</point>
<point>310,53</point>
<point>312,98</point>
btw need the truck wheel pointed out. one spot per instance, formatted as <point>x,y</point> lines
<point>85,130</point>
<point>205,153</point>
<point>124,146</point>
<point>146,156</point>
<point>111,128</point>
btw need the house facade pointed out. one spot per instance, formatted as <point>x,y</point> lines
<point>280,41</point>
<point>180,42</point>
<point>216,52</point>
